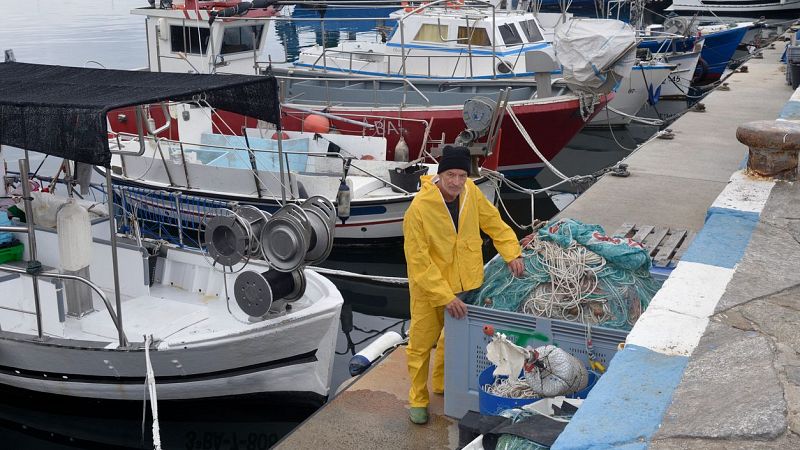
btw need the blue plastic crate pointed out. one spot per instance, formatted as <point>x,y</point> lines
<point>465,341</point>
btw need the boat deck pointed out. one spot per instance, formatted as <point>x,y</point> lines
<point>729,379</point>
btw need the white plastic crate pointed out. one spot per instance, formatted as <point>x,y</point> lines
<point>465,344</point>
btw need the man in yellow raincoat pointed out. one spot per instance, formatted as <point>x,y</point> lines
<point>443,251</point>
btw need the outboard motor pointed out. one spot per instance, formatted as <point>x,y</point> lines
<point>542,63</point>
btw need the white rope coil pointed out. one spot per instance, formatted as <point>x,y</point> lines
<point>573,278</point>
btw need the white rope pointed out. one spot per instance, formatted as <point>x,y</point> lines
<point>400,281</point>
<point>573,277</point>
<point>530,143</point>
<point>150,383</point>
<point>643,120</point>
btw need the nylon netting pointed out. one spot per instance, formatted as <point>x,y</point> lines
<point>574,272</point>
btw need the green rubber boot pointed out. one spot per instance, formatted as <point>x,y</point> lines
<point>418,415</point>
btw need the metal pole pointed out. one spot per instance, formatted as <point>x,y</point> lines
<point>280,161</point>
<point>34,266</point>
<point>185,168</point>
<point>324,58</point>
<point>114,262</point>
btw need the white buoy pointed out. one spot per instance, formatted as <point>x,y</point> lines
<point>401,151</point>
<point>363,359</point>
<point>75,254</point>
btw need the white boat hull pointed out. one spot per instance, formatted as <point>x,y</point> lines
<point>203,346</point>
<point>679,82</point>
<point>733,7</point>
<point>632,94</point>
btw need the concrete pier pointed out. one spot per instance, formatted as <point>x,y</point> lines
<point>715,360</point>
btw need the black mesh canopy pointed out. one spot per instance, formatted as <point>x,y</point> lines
<point>62,111</point>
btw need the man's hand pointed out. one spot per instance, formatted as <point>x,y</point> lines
<point>456,308</point>
<point>516,266</point>
<point>527,239</point>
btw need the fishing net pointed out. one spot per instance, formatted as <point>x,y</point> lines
<point>574,272</point>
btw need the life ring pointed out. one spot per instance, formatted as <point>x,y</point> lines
<point>700,71</point>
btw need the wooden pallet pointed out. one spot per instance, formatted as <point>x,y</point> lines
<point>665,245</point>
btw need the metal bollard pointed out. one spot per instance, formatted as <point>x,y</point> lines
<point>774,147</point>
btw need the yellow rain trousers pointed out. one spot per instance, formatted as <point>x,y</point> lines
<point>442,263</point>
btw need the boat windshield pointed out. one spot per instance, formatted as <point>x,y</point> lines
<point>510,34</point>
<point>431,32</point>
<point>241,39</point>
<point>474,36</point>
<point>531,30</point>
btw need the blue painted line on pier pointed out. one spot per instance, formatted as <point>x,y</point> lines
<point>626,406</point>
<point>723,239</point>
<point>790,111</point>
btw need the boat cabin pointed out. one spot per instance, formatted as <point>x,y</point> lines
<point>185,39</point>
<point>439,42</point>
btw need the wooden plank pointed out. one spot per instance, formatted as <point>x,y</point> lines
<point>643,232</point>
<point>684,245</point>
<point>652,241</point>
<point>669,247</point>
<point>624,229</point>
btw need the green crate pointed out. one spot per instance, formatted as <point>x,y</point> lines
<point>12,253</point>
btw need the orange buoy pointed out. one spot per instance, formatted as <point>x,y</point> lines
<point>284,135</point>
<point>315,123</point>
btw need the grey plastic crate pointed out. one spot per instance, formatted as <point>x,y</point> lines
<point>466,342</point>
<point>793,54</point>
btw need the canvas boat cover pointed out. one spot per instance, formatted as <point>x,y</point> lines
<point>595,54</point>
<point>61,111</point>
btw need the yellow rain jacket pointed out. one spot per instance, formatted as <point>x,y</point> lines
<point>442,263</point>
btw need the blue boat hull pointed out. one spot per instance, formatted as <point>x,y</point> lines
<point>717,51</point>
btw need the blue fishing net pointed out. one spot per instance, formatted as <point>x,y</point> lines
<point>575,272</point>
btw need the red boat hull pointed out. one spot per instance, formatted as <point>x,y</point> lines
<point>551,124</point>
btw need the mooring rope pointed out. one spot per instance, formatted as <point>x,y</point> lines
<point>150,384</point>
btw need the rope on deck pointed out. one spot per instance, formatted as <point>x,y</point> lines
<point>399,281</point>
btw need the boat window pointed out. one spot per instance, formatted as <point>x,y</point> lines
<point>531,30</point>
<point>474,36</point>
<point>510,34</point>
<point>189,39</point>
<point>431,32</point>
<point>241,39</point>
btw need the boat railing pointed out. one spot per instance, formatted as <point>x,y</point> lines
<point>181,147</point>
<point>34,267</point>
<point>402,61</point>
<point>471,11</point>
<point>285,81</point>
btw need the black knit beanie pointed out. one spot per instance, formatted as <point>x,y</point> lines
<point>454,158</point>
